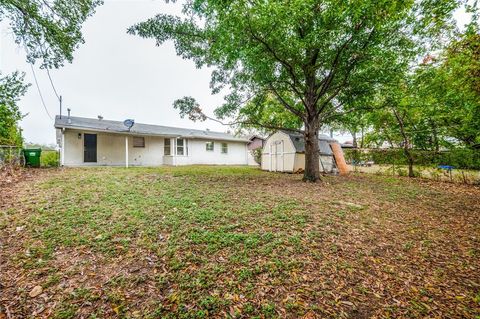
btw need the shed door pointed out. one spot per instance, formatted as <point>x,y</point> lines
<point>278,162</point>
<point>90,148</point>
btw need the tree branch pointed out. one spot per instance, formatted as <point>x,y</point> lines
<point>285,104</point>
<point>253,123</point>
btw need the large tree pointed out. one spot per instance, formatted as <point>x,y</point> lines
<point>12,89</point>
<point>310,55</point>
<point>455,85</point>
<point>49,31</point>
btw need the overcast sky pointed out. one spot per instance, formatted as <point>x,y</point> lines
<point>115,75</point>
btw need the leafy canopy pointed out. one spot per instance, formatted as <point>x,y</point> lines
<point>49,31</point>
<point>12,89</point>
<point>310,56</point>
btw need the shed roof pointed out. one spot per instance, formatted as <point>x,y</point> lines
<point>323,143</point>
<point>102,125</point>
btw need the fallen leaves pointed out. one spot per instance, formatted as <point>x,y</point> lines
<point>236,242</point>
<point>36,291</point>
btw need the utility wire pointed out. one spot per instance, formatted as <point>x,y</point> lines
<point>40,92</point>
<point>53,86</point>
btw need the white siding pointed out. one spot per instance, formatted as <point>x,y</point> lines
<point>111,151</point>
<point>197,154</point>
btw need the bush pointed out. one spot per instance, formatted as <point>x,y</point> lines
<point>49,159</point>
<point>257,155</point>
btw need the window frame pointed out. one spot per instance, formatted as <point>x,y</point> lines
<point>224,148</point>
<point>212,143</point>
<point>137,138</point>
<point>169,147</point>
<point>184,147</point>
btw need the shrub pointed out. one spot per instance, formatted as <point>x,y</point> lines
<point>257,155</point>
<point>49,159</point>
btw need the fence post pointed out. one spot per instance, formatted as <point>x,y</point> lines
<point>393,165</point>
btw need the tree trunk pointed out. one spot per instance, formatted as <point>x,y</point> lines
<point>406,143</point>
<point>354,136</point>
<point>409,157</point>
<point>361,140</point>
<point>435,136</point>
<point>312,152</point>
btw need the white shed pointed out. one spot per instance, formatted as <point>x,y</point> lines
<point>285,152</point>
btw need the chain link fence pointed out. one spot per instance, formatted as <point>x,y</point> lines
<point>11,155</point>
<point>456,165</point>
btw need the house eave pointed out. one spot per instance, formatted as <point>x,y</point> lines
<point>136,133</point>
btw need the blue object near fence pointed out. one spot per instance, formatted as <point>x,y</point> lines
<point>446,167</point>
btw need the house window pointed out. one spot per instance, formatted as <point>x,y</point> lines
<point>138,141</point>
<point>181,146</point>
<point>166,147</point>
<point>224,148</point>
<point>209,146</point>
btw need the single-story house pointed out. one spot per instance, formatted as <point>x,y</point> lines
<point>92,142</point>
<point>285,152</point>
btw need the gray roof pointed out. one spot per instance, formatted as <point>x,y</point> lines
<point>323,143</point>
<point>252,136</point>
<point>139,129</point>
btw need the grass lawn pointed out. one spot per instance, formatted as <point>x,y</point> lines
<point>235,242</point>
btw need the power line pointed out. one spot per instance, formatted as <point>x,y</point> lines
<point>39,92</point>
<point>51,82</point>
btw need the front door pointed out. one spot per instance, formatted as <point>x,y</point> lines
<point>90,148</point>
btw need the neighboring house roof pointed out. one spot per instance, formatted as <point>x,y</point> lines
<point>98,125</point>
<point>323,143</point>
<point>252,137</point>
<point>347,144</point>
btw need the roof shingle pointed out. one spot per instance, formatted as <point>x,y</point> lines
<point>139,129</point>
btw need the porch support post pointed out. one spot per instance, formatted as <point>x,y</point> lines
<point>126,151</point>
<point>175,151</point>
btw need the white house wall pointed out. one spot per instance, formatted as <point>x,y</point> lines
<point>197,154</point>
<point>111,151</point>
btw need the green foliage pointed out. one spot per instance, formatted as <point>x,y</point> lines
<point>293,64</point>
<point>49,158</point>
<point>457,89</point>
<point>273,49</point>
<point>238,242</point>
<point>438,103</point>
<point>49,31</point>
<point>12,89</point>
<point>462,158</point>
<point>257,155</point>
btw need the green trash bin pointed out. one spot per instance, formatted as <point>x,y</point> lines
<point>32,156</point>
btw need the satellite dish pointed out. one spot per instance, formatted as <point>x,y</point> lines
<point>129,123</point>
